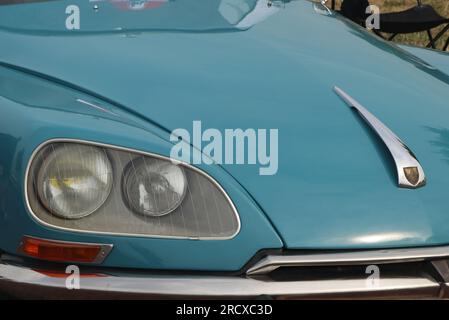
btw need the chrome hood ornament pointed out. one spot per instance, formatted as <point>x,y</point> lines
<point>409,171</point>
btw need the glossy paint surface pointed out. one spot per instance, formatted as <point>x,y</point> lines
<point>100,16</point>
<point>335,187</point>
<point>436,58</point>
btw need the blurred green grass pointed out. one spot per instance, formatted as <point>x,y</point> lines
<point>417,39</point>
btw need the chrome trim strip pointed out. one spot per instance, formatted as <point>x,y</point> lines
<point>271,263</point>
<point>102,255</point>
<point>442,267</point>
<point>95,106</point>
<point>16,278</point>
<point>158,156</point>
<point>409,170</point>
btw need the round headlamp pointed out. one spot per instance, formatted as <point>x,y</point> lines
<point>74,180</point>
<point>154,187</point>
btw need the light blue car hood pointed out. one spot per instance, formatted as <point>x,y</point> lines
<point>335,187</point>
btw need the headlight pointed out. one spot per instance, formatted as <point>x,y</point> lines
<point>74,181</point>
<point>154,187</point>
<point>82,186</point>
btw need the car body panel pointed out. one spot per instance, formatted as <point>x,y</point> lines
<point>109,16</point>
<point>36,110</point>
<point>335,187</point>
<point>436,58</point>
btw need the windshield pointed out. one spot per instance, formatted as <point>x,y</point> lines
<point>57,16</point>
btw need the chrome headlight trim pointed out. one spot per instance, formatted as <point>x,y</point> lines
<point>140,152</point>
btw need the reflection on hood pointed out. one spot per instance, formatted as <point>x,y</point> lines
<point>135,15</point>
<point>135,4</point>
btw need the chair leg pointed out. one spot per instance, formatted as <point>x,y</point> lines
<point>379,34</point>
<point>441,33</point>
<point>392,36</point>
<point>431,41</point>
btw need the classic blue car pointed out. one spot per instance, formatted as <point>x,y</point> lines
<point>92,92</point>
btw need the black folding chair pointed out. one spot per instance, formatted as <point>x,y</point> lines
<point>417,19</point>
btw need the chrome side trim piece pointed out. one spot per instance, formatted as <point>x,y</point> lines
<point>95,106</point>
<point>271,263</point>
<point>17,280</point>
<point>409,170</point>
<point>442,267</point>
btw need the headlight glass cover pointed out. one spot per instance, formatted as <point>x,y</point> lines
<point>95,188</point>
<point>74,181</point>
<point>154,187</point>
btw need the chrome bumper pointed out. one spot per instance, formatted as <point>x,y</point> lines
<point>20,281</point>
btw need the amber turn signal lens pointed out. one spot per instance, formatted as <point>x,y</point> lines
<point>63,251</point>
